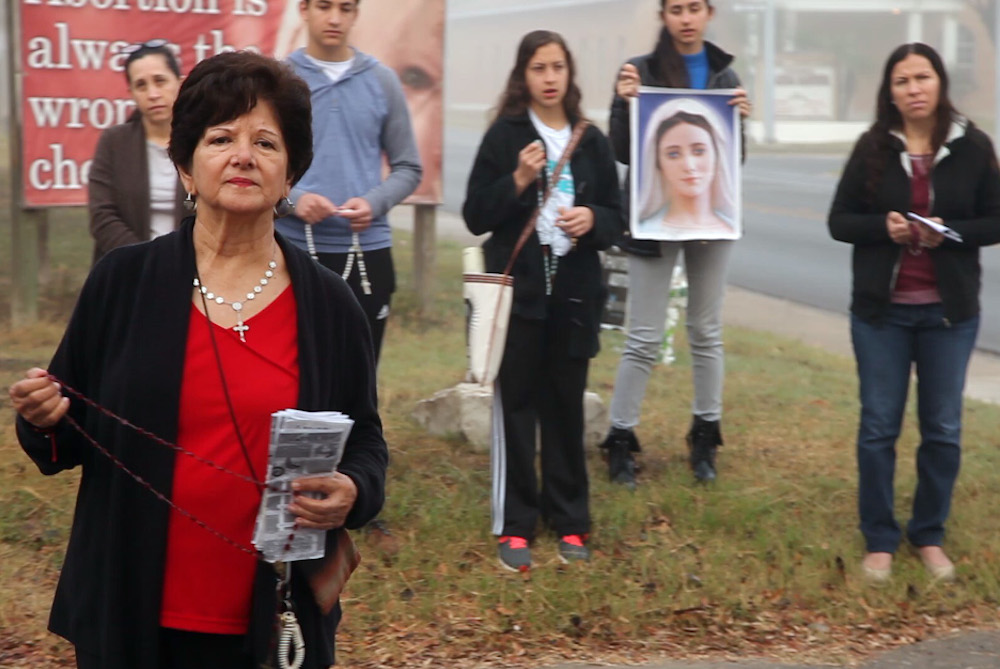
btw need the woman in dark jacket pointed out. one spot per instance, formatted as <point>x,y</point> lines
<point>915,300</point>
<point>558,293</point>
<point>133,193</point>
<point>682,59</point>
<point>198,337</point>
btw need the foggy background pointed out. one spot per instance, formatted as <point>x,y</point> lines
<point>826,57</point>
<point>811,68</point>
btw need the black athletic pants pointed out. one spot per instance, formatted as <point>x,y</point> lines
<point>189,650</point>
<point>381,276</point>
<point>542,388</point>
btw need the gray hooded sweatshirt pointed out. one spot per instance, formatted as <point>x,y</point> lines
<point>356,120</point>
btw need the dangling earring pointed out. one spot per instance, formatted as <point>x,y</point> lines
<point>284,207</point>
<point>190,204</point>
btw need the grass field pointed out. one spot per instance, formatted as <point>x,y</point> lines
<point>764,563</point>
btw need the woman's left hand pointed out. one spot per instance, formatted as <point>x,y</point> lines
<point>330,511</point>
<point>929,238</point>
<point>740,98</point>
<point>575,221</point>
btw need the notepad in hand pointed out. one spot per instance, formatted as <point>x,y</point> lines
<point>935,226</point>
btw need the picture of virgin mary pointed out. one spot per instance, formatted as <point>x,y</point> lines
<point>687,186</point>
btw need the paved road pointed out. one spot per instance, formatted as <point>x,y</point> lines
<point>970,650</point>
<point>787,252</point>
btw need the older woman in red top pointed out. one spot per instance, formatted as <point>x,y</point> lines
<point>197,337</point>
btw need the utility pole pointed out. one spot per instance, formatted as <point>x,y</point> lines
<point>770,45</point>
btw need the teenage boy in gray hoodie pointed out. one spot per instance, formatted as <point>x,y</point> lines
<point>359,115</point>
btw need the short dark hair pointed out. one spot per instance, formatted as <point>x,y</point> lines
<point>145,50</point>
<point>229,85</point>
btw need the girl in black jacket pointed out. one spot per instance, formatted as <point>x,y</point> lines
<point>558,293</point>
<point>682,59</point>
<point>916,292</point>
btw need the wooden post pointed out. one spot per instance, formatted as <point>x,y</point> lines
<point>44,256</point>
<point>24,251</point>
<point>23,224</point>
<point>424,244</point>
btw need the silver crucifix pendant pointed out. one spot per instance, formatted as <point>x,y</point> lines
<point>242,327</point>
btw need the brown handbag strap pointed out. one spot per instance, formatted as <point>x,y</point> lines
<point>578,131</point>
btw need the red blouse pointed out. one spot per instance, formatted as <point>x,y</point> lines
<point>207,583</point>
<point>916,282</point>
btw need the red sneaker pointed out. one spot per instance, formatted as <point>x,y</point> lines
<point>514,553</point>
<point>573,549</point>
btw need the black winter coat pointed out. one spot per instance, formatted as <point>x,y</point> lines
<point>124,348</point>
<point>965,193</point>
<point>721,75</point>
<point>492,205</point>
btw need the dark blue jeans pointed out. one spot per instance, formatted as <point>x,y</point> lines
<point>885,354</point>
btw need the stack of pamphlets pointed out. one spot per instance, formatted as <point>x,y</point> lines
<point>303,443</point>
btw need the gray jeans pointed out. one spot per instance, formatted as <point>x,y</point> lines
<point>649,290</point>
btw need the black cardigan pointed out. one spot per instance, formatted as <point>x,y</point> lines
<point>124,347</point>
<point>492,205</point>
<point>965,188</point>
<point>721,75</point>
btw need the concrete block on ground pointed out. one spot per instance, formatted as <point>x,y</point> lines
<point>466,409</point>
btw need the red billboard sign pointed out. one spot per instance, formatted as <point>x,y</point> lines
<point>73,84</point>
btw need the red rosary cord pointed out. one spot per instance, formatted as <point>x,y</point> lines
<point>159,495</point>
<point>145,484</point>
<point>261,485</point>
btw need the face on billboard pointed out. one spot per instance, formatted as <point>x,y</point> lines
<point>73,59</point>
<point>408,36</point>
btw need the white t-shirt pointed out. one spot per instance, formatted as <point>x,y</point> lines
<point>162,190</point>
<point>563,194</point>
<point>334,69</point>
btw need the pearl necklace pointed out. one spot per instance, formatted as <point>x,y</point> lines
<point>237,306</point>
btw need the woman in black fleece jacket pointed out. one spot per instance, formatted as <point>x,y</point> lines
<point>916,293</point>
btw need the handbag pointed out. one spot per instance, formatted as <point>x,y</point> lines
<point>328,575</point>
<point>490,295</point>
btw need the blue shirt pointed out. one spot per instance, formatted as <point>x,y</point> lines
<point>697,67</point>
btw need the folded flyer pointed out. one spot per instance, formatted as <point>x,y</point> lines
<point>303,443</point>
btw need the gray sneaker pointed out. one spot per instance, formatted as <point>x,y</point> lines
<point>514,553</point>
<point>572,549</point>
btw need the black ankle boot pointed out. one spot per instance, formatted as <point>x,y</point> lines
<point>703,440</point>
<point>619,445</point>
